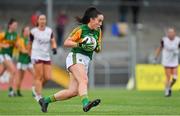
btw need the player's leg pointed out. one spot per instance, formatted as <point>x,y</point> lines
<point>46,72</point>
<point>12,70</point>
<point>80,74</point>
<point>38,76</point>
<point>174,74</point>
<point>70,92</point>
<point>61,95</point>
<point>31,70</point>
<point>19,81</point>
<point>167,83</point>
<point>2,68</point>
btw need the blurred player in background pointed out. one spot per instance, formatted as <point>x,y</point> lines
<point>62,21</point>
<point>8,42</point>
<point>42,40</point>
<point>24,60</point>
<point>77,61</point>
<point>2,69</point>
<point>34,18</point>
<point>170,49</point>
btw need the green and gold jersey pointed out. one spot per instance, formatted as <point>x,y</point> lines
<point>23,58</point>
<point>9,38</point>
<point>2,35</point>
<point>82,31</point>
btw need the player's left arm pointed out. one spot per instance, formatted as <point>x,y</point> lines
<point>99,42</point>
<point>53,44</point>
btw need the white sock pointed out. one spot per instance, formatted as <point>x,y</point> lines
<point>33,90</point>
<point>175,77</point>
<point>167,90</point>
<point>38,97</point>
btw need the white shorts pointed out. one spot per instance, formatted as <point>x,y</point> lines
<point>21,66</point>
<point>7,57</point>
<point>1,59</point>
<point>75,58</point>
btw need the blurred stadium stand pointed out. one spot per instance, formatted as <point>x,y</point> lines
<point>155,15</point>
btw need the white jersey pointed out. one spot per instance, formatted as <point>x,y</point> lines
<point>41,46</point>
<point>170,51</point>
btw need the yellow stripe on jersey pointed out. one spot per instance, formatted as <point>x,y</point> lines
<point>100,39</point>
<point>2,35</point>
<point>76,34</point>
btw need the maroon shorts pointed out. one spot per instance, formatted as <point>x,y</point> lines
<point>171,67</point>
<point>38,61</point>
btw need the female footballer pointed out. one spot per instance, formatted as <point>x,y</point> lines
<point>170,50</point>
<point>78,60</point>
<point>24,60</point>
<point>8,42</point>
<point>42,40</point>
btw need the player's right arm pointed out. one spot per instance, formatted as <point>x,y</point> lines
<point>159,49</point>
<point>31,39</point>
<point>74,38</point>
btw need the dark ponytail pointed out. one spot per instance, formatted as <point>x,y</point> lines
<point>91,12</point>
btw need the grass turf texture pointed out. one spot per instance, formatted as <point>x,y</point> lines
<point>115,101</point>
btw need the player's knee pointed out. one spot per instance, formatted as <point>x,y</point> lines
<point>84,80</point>
<point>47,78</point>
<point>74,93</point>
<point>38,81</point>
<point>12,72</point>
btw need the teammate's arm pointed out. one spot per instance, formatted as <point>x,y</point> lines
<point>2,44</point>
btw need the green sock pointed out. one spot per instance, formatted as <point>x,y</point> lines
<point>50,99</point>
<point>10,89</point>
<point>84,100</point>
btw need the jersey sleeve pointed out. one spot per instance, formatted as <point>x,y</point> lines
<point>162,43</point>
<point>100,39</point>
<point>76,34</point>
<point>31,36</point>
<point>2,35</point>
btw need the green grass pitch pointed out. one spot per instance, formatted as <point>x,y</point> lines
<point>115,101</point>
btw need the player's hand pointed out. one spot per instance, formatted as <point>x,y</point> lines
<point>154,61</point>
<point>97,49</point>
<point>54,51</point>
<point>82,44</point>
<point>86,46</point>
